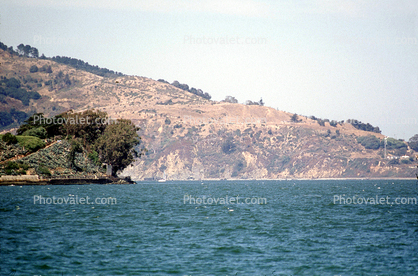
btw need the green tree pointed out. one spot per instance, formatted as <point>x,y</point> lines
<point>3,46</point>
<point>79,64</point>
<point>43,170</point>
<point>249,102</point>
<point>12,88</point>
<point>39,132</point>
<point>369,142</point>
<point>67,80</point>
<point>38,120</point>
<point>5,119</point>
<point>366,127</point>
<point>333,123</point>
<point>33,69</point>
<point>20,49</point>
<point>26,50</point>
<point>9,138</point>
<point>116,145</point>
<point>294,118</point>
<point>87,125</point>
<point>34,52</point>
<point>413,142</point>
<point>230,99</point>
<point>228,146</point>
<point>31,122</point>
<point>395,144</point>
<point>163,81</point>
<point>46,69</point>
<point>321,122</point>
<point>30,143</point>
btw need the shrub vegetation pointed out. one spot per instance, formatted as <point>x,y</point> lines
<point>369,142</point>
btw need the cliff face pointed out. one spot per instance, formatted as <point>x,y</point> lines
<point>189,137</point>
<point>267,149</point>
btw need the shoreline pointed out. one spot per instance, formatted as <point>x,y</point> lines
<point>286,179</point>
<point>35,180</point>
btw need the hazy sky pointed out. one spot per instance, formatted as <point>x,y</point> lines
<point>332,59</point>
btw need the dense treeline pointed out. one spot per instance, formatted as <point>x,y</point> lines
<point>366,127</point>
<point>369,142</point>
<point>4,47</point>
<point>249,102</point>
<point>394,144</point>
<point>230,99</point>
<point>29,51</point>
<point>22,50</point>
<point>11,117</point>
<point>12,88</point>
<point>322,122</point>
<point>355,123</point>
<point>85,66</point>
<point>372,142</point>
<point>185,87</point>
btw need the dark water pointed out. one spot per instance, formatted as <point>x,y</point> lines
<point>299,231</point>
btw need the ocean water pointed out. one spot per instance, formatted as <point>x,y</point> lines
<point>156,229</point>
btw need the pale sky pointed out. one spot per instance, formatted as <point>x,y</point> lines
<point>331,59</point>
